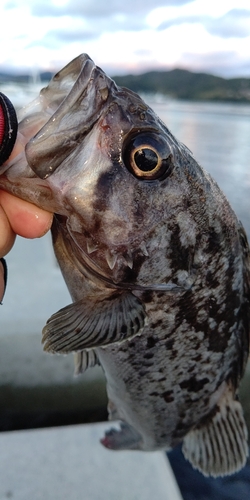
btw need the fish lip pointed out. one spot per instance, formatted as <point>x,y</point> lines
<point>56,138</point>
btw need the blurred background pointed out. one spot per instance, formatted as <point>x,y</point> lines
<point>131,36</point>
<point>190,60</point>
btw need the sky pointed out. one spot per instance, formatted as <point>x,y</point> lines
<point>129,36</point>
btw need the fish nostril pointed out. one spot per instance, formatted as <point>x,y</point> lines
<point>8,128</point>
<point>104,93</point>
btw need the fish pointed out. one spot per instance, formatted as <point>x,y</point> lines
<point>156,262</point>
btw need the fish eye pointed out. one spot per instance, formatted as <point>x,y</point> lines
<point>147,156</point>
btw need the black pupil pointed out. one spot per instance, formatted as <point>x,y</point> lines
<point>146,159</point>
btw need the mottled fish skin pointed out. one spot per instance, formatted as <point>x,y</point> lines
<point>156,262</point>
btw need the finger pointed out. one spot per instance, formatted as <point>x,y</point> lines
<point>7,236</point>
<point>26,219</point>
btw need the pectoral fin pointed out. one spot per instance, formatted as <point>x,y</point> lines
<point>84,360</point>
<point>220,447</point>
<point>88,324</point>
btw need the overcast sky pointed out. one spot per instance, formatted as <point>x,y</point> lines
<point>127,36</point>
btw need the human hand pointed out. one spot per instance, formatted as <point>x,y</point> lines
<point>16,216</point>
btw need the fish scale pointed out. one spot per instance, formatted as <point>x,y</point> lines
<point>156,262</point>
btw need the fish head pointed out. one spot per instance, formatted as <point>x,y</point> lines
<point>109,159</point>
<point>112,169</point>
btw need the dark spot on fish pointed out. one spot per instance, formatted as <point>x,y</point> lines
<point>155,393</point>
<point>191,369</point>
<point>174,354</point>
<point>124,329</point>
<point>181,257</point>
<point>131,344</point>
<point>132,354</point>
<point>213,241</point>
<point>181,429</point>
<point>182,415</point>
<point>163,379</point>
<point>163,435</point>
<point>218,342</point>
<point>130,275</point>
<point>198,357</point>
<point>151,341</point>
<point>96,224</point>
<point>194,385</point>
<point>188,309</point>
<point>211,281</point>
<point>147,296</point>
<point>137,322</point>
<point>148,364</point>
<point>168,396</point>
<point>142,373</point>
<point>148,355</point>
<point>102,190</point>
<point>169,344</point>
<point>206,401</point>
<point>156,324</point>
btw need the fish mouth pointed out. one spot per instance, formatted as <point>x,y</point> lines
<point>80,86</point>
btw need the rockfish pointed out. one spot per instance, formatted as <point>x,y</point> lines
<point>156,262</point>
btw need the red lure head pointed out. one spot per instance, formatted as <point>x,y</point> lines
<point>8,128</point>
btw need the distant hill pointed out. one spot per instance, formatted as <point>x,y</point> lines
<point>177,83</point>
<point>182,84</point>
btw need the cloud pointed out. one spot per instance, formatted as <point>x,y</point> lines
<point>98,17</point>
<point>235,23</point>
<point>177,21</point>
<point>130,36</point>
<point>99,8</point>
